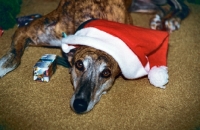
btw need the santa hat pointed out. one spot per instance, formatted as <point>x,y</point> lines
<point>138,51</point>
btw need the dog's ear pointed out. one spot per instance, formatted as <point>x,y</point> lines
<point>69,56</point>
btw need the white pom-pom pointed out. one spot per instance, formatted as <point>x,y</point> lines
<point>158,76</point>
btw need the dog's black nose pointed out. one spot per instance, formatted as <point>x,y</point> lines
<point>80,105</point>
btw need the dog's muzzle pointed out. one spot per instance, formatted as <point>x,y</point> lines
<point>82,98</point>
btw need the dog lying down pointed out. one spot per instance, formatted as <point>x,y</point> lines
<point>108,45</point>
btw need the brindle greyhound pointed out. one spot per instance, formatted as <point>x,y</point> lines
<point>90,85</point>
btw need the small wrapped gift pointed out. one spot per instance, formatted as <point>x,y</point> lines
<point>44,68</point>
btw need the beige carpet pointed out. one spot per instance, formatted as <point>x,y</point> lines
<point>130,105</point>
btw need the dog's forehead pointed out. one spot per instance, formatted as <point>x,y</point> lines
<point>86,52</point>
<point>92,55</point>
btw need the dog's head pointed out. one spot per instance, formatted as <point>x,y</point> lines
<point>93,72</point>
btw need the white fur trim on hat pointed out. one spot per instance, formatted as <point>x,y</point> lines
<point>158,76</point>
<point>66,48</point>
<point>129,63</point>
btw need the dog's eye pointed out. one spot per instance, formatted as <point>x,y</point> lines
<point>79,65</point>
<point>106,73</point>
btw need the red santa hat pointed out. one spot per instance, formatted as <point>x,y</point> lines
<point>138,51</point>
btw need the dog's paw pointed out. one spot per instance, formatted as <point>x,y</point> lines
<point>172,24</point>
<point>156,23</point>
<point>7,64</point>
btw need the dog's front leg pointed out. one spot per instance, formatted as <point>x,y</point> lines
<point>13,57</point>
<point>36,34</point>
<point>22,38</point>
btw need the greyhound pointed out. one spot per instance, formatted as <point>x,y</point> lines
<point>89,85</point>
<point>100,69</point>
